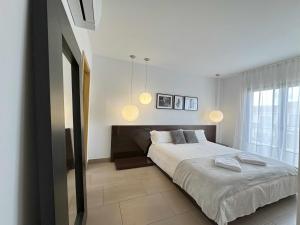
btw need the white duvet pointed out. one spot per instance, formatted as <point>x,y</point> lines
<point>231,199</point>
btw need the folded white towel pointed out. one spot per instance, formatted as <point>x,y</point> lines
<point>251,159</point>
<point>228,163</point>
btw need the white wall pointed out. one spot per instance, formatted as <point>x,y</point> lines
<point>68,102</point>
<point>110,92</point>
<point>18,170</point>
<point>229,105</point>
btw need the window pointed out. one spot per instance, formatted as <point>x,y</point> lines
<point>273,124</point>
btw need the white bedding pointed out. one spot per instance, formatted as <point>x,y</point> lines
<point>169,156</point>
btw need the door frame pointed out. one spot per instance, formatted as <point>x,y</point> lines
<point>51,36</point>
<point>86,72</point>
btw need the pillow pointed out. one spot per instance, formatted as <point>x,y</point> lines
<point>158,137</point>
<point>178,137</point>
<point>200,135</point>
<point>190,136</point>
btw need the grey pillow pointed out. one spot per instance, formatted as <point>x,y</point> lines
<point>190,136</point>
<point>177,137</point>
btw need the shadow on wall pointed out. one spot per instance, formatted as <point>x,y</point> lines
<point>28,199</point>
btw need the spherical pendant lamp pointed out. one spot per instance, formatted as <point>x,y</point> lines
<point>130,112</point>
<point>216,116</point>
<point>146,97</point>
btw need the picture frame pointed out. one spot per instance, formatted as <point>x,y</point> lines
<point>190,103</point>
<point>164,101</point>
<point>178,103</point>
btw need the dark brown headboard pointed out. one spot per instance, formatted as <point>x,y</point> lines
<point>126,140</point>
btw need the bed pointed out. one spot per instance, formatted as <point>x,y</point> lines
<point>223,195</point>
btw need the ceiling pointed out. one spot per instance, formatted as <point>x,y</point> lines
<point>202,37</point>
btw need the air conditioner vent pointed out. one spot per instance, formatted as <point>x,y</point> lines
<point>85,13</point>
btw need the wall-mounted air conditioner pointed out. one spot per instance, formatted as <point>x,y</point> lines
<point>86,13</point>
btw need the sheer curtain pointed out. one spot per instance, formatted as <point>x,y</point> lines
<point>270,111</point>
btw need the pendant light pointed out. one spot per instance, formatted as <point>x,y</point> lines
<point>145,97</point>
<point>216,115</point>
<point>131,112</point>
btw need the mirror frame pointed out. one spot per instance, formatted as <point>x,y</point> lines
<point>52,36</point>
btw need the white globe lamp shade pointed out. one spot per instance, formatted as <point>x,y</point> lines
<point>130,113</point>
<point>216,116</point>
<point>145,98</point>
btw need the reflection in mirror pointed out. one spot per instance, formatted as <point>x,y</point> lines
<point>70,160</point>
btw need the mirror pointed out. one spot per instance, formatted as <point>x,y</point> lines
<point>69,136</point>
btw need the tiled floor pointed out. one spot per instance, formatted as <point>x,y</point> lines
<point>146,196</point>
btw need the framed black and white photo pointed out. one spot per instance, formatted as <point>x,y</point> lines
<point>191,103</point>
<point>178,102</point>
<point>164,101</point>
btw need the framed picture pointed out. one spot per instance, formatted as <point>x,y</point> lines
<point>164,101</point>
<point>191,103</point>
<point>178,102</point>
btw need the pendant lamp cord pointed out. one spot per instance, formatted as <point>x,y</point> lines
<point>146,72</point>
<point>218,92</point>
<point>131,84</point>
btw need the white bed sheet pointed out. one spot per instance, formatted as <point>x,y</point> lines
<point>168,156</point>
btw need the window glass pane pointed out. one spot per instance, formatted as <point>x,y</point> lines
<point>294,94</point>
<point>274,123</point>
<point>264,117</point>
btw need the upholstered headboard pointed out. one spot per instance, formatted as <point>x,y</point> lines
<point>127,141</point>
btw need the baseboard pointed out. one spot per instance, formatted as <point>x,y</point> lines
<point>91,161</point>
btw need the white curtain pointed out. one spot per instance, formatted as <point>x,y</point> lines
<point>270,111</point>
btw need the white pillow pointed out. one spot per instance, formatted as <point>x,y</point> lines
<point>158,137</point>
<point>200,135</point>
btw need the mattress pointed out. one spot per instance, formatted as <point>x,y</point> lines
<point>170,157</point>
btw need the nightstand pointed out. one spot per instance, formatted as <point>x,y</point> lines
<point>132,162</point>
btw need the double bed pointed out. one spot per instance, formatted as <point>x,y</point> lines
<point>222,194</point>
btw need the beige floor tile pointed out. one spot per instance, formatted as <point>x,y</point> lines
<point>202,217</point>
<point>105,215</point>
<point>150,172</point>
<point>123,192</point>
<point>163,201</point>
<point>100,167</point>
<point>106,179</point>
<point>178,201</point>
<point>157,185</point>
<point>182,219</point>
<point>95,197</point>
<point>145,210</point>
